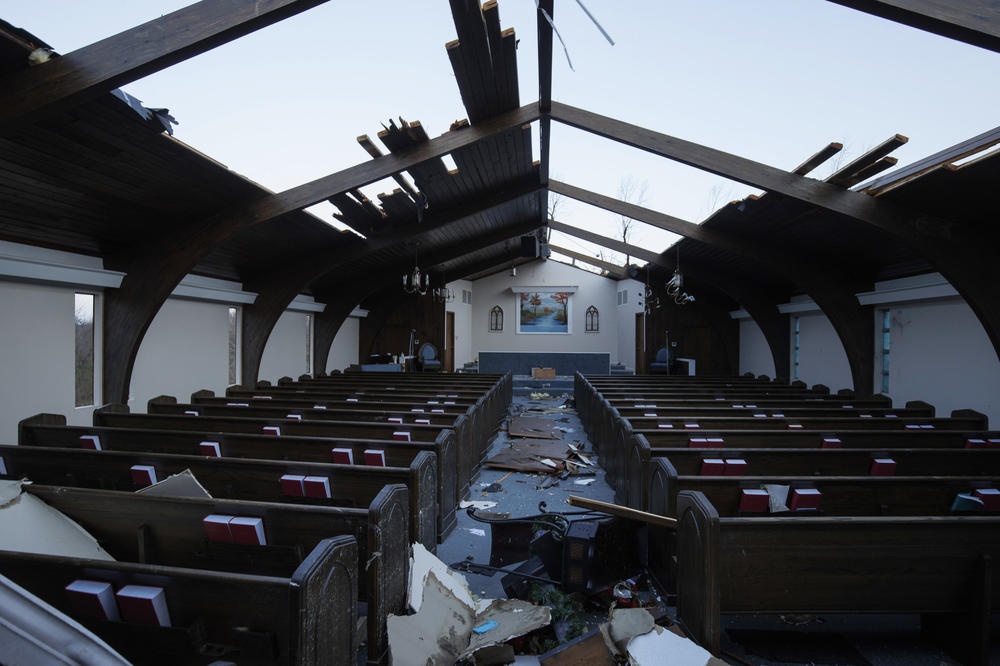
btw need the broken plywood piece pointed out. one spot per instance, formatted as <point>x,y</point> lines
<point>422,565</point>
<point>182,484</point>
<point>526,455</point>
<point>514,618</point>
<point>663,647</point>
<point>29,525</point>
<point>438,634</point>
<point>526,426</point>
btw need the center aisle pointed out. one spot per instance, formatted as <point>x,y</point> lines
<point>519,493</point>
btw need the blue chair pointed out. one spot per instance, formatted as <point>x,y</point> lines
<point>661,364</point>
<point>427,359</point>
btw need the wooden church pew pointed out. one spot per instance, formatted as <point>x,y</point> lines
<point>51,430</point>
<point>821,564</point>
<point>300,619</point>
<point>234,478</point>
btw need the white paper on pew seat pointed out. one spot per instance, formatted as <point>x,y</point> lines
<point>29,525</point>
<point>182,484</point>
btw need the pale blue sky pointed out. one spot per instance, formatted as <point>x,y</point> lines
<point>771,80</point>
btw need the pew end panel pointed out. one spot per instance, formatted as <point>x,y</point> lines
<point>662,541</point>
<point>424,511</point>
<point>925,407</point>
<point>698,609</point>
<point>159,400</point>
<point>637,472</point>
<point>202,394</point>
<point>980,420</point>
<point>324,603</point>
<point>387,569</point>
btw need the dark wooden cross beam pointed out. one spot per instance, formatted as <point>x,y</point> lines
<point>975,22</point>
<point>155,267</point>
<point>544,99</point>
<point>822,156</point>
<point>506,259</point>
<point>610,243</point>
<point>614,269</point>
<point>849,174</point>
<point>63,82</point>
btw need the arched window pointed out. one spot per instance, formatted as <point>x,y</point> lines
<point>496,318</point>
<point>592,322</point>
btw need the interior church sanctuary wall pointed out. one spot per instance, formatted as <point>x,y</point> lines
<point>344,350</point>
<point>286,351</point>
<point>592,290</point>
<point>463,321</point>
<point>185,349</point>
<point>629,299</point>
<point>37,355</point>
<point>755,354</point>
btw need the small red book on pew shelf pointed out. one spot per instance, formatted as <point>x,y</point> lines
<point>90,442</point>
<point>713,467</point>
<point>421,422</point>
<point>210,449</point>
<point>191,412</point>
<point>143,604</point>
<point>735,467</point>
<point>883,467</point>
<point>93,598</point>
<point>272,430</point>
<point>831,443</point>
<point>143,475</point>
<point>293,485</point>
<point>754,500</point>
<point>343,456</point>
<point>804,498</point>
<point>795,426</point>
<point>401,435</point>
<point>990,498</point>
<point>217,527</point>
<point>395,419</point>
<point>317,486</point>
<point>248,530</point>
<point>294,417</point>
<point>375,457</point>
<point>975,443</point>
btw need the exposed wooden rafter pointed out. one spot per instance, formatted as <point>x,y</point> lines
<point>975,22</point>
<point>36,92</point>
<point>614,269</point>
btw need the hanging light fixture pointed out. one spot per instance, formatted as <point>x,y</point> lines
<point>443,294</point>
<point>415,282</point>
<point>675,285</point>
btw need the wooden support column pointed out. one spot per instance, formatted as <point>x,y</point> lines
<point>327,324</point>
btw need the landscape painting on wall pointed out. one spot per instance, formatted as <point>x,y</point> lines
<point>544,312</point>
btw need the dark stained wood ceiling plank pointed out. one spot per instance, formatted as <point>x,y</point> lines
<point>975,22</point>
<point>94,70</point>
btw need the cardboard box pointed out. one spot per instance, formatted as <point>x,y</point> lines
<point>543,373</point>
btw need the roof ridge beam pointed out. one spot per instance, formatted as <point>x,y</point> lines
<point>93,70</point>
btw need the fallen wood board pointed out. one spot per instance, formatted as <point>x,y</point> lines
<point>525,455</point>
<point>620,511</point>
<point>587,650</point>
<point>540,428</point>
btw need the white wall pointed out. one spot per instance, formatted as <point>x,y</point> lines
<point>822,359</point>
<point>463,322</point>
<point>625,314</point>
<point>940,353</point>
<point>755,354</point>
<point>185,349</point>
<point>285,352</point>
<point>37,356</point>
<point>344,350</point>
<point>593,290</point>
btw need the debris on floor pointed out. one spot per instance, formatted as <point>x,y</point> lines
<point>546,457</point>
<point>540,395</point>
<point>533,426</point>
<point>448,624</point>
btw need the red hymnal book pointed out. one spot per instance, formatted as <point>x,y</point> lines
<point>143,604</point>
<point>93,598</point>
